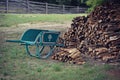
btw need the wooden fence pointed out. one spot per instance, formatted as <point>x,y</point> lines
<point>26,6</point>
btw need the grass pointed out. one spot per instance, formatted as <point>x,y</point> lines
<point>7,20</point>
<point>16,65</point>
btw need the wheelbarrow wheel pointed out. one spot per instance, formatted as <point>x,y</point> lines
<point>38,51</point>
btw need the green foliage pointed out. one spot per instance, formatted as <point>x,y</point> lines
<point>93,4</point>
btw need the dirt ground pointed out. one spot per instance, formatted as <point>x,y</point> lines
<point>115,73</point>
<point>41,25</point>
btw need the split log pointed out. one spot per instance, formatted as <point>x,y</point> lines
<point>71,55</point>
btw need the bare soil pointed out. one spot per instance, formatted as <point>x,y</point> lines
<point>41,25</point>
<point>114,73</point>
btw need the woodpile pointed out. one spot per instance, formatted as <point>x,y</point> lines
<point>71,55</point>
<point>98,34</point>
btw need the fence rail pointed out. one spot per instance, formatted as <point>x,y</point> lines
<point>26,6</point>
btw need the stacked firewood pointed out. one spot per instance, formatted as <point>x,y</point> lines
<point>103,39</point>
<point>75,34</point>
<point>98,34</point>
<point>69,55</point>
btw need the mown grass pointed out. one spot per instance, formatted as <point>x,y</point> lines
<point>7,20</point>
<point>17,65</point>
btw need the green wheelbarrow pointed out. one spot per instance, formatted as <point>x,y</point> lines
<point>39,39</point>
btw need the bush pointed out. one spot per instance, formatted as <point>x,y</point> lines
<point>93,3</point>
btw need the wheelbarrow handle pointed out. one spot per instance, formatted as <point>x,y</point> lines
<point>16,41</point>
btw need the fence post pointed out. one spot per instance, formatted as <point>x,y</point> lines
<point>46,8</point>
<point>63,9</point>
<point>7,6</point>
<point>78,9</point>
<point>28,6</point>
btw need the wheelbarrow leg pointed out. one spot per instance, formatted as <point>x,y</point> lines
<point>49,53</point>
<point>39,50</point>
<point>37,53</point>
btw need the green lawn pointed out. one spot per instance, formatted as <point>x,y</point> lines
<point>16,65</point>
<point>7,20</point>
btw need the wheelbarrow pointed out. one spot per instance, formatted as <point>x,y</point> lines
<point>39,39</point>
